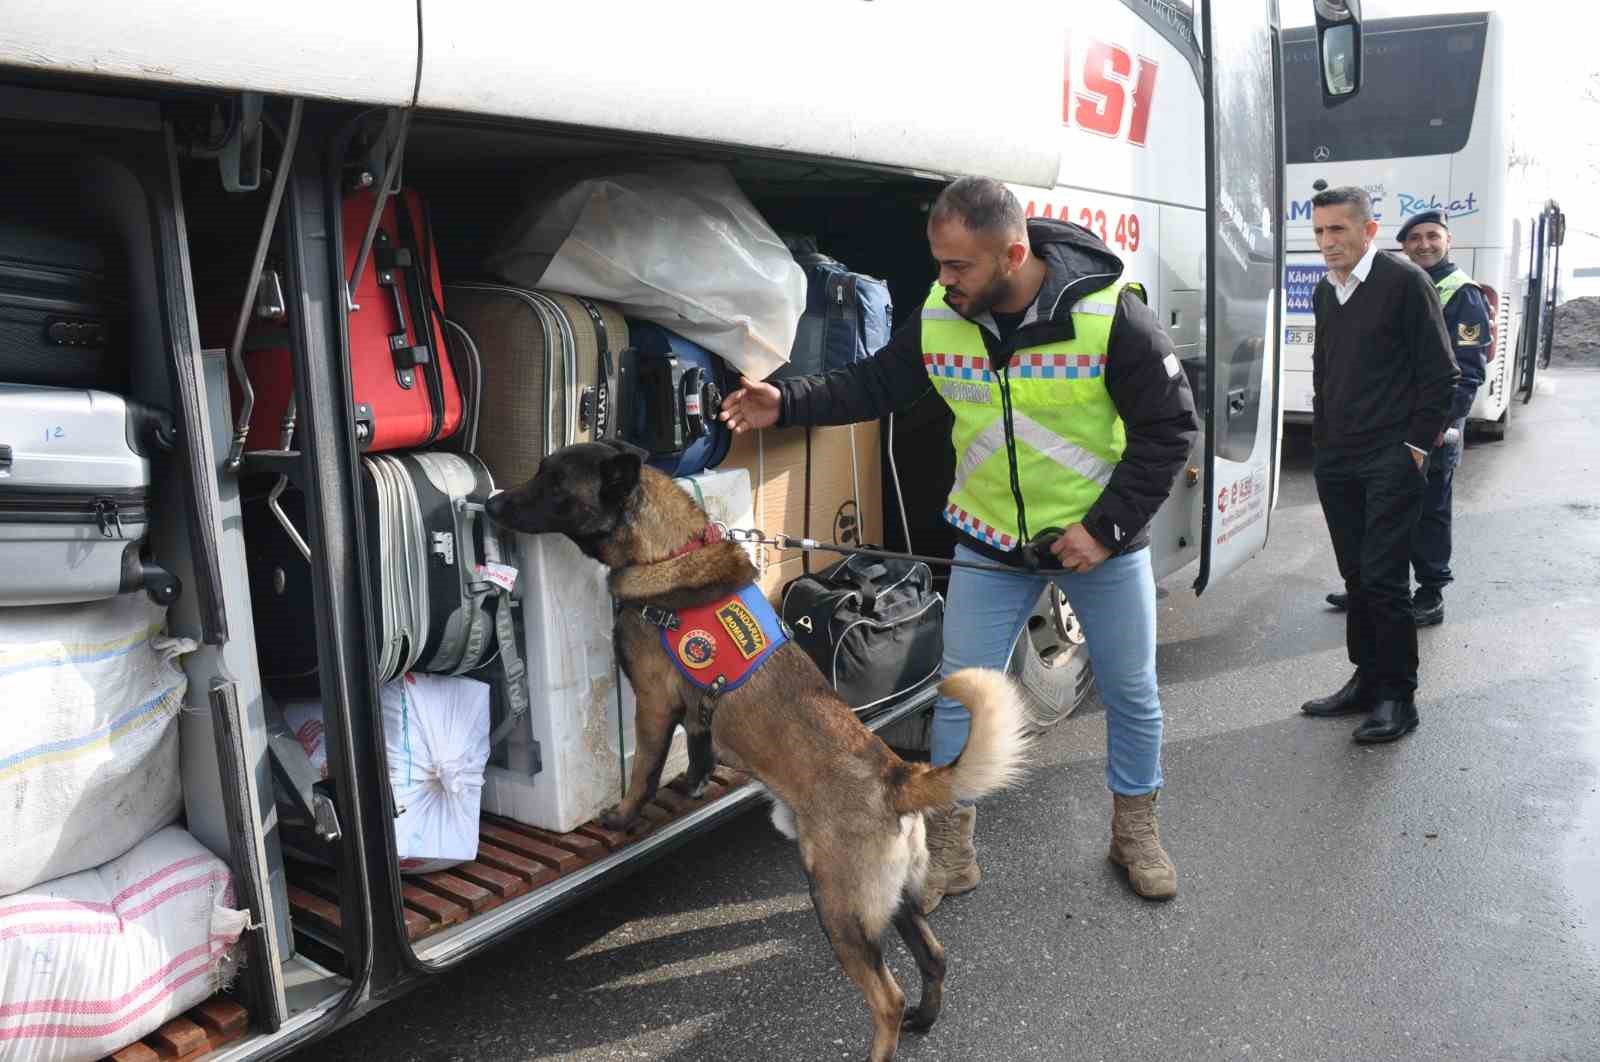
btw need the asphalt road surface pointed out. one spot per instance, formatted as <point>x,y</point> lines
<point>1434,899</point>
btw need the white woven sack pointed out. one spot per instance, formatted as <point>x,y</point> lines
<point>436,729</point>
<point>304,718</point>
<point>89,700</point>
<point>676,243</point>
<point>91,962</point>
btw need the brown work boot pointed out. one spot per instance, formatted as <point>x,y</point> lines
<point>1136,845</point>
<point>952,859</point>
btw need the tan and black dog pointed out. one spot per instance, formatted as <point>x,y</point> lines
<point>853,805</point>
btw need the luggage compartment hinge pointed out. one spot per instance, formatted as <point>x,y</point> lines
<point>234,140</point>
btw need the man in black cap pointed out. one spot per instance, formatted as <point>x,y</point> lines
<point>1425,238</point>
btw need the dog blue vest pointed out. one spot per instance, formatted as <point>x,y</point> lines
<point>720,645</point>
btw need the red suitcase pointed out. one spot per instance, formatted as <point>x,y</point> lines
<point>406,390</point>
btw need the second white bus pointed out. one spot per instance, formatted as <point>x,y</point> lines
<point>1427,132</point>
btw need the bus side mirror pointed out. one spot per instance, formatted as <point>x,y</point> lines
<point>1339,48</point>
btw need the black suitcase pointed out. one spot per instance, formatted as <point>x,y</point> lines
<point>63,301</point>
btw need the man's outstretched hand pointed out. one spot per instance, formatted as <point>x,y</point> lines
<point>753,405</point>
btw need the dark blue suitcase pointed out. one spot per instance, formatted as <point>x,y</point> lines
<point>848,315</point>
<point>671,392</point>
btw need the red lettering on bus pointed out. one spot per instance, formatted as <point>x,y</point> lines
<point>1144,90</point>
<point>1099,108</point>
<point>1101,104</point>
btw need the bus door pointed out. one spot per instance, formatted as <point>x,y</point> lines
<point>1239,401</point>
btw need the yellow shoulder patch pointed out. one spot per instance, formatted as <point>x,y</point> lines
<point>1469,333</point>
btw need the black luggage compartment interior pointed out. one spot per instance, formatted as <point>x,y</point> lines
<point>478,178</point>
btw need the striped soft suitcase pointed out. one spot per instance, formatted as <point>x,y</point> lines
<point>550,364</point>
<point>426,537</point>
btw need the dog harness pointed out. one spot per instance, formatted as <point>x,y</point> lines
<point>718,646</point>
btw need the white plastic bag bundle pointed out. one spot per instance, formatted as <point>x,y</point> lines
<point>91,962</point>
<point>436,729</point>
<point>305,720</point>
<point>89,701</point>
<point>675,243</point>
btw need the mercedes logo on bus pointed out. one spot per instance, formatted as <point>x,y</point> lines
<point>1322,154</point>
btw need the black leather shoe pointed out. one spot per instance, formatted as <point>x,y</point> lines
<point>1390,720</point>
<point>1338,600</point>
<point>1352,699</point>
<point>1428,608</point>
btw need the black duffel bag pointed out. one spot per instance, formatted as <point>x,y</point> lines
<point>874,626</point>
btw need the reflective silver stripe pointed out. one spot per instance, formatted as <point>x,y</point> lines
<point>940,313</point>
<point>1061,451</point>
<point>1069,455</point>
<point>1095,309</point>
<point>984,445</point>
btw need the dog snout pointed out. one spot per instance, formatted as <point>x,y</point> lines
<point>496,507</point>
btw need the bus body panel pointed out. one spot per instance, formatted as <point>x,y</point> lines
<point>883,83</point>
<point>1103,123</point>
<point>1131,130</point>
<point>357,50</point>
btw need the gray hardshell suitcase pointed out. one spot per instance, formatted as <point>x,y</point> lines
<point>74,495</point>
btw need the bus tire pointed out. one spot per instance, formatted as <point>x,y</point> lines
<point>1051,663</point>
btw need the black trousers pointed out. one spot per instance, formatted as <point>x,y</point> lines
<point>1430,550</point>
<point>1372,503</point>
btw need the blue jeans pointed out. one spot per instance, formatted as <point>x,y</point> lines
<point>1116,603</point>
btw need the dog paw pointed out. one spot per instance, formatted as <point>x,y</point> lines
<point>917,1022</point>
<point>693,788</point>
<point>615,819</point>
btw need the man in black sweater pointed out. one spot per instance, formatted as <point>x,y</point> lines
<point>1383,375</point>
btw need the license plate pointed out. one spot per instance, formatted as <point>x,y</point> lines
<point>1302,336</point>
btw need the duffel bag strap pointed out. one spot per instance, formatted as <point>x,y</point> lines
<point>512,668</point>
<point>867,580</point>
<point>467,648</point>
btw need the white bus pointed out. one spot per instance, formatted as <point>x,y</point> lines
<point>1427,132</point>
<point>1156,124</point>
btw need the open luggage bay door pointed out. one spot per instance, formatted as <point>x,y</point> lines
<point>1238,397</point>
<point>837,79</point>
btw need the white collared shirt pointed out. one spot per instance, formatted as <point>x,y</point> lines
<point>1343,291</point>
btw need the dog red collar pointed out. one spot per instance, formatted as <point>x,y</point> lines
<point>707,536</point>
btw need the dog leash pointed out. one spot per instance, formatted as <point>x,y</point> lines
<point>1036,555</point>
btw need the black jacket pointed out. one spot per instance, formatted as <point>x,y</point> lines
<point>1145,381</point>
<point>1382,369</point>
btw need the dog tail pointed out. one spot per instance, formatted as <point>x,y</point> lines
<point>996,751</point>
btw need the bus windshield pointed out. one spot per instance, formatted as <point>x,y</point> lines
<point>1420,86</point>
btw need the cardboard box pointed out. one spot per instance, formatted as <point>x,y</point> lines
<point>843,477</point>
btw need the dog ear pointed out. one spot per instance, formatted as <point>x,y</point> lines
<point>619,475</point>
<point>622,446</point>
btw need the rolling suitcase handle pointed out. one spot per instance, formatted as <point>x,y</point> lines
<point>395,263</point>
<point>599,406</point>
<point>263,242</point>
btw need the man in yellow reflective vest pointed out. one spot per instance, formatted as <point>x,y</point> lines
<point>1072,418</point>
